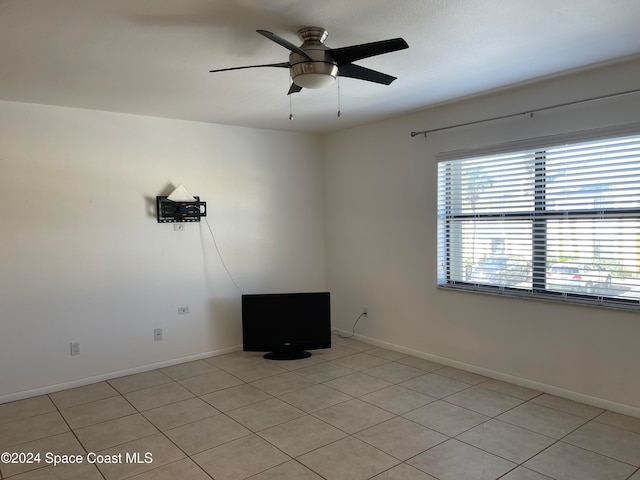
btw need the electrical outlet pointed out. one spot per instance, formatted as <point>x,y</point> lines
<point>183,310</point>
<point>365,311</point>
<point>178,227</point>
<point>157,334</point>
<point>75,348</point>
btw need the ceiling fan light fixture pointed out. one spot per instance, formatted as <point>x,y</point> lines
<point>314,80</point>
<point>316,74</point>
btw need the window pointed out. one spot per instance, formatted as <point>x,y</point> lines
<point>555,219</point>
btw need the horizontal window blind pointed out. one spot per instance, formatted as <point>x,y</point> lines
<point>557,222</point>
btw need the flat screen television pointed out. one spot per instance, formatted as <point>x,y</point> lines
<point>286,325</point>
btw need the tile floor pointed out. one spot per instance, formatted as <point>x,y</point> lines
<point>352,412</point>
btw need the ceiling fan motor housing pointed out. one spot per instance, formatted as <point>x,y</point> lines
<point>322,70</point>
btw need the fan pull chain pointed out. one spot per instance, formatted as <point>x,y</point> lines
<point>339,112</point>
<point>290,109</point>
<point>290,100</point>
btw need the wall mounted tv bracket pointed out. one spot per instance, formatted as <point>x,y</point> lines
<point>170,212</point>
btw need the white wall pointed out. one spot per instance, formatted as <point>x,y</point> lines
<point>82,257</point>
<point>381,247</point>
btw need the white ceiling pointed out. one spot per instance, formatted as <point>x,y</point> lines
<point>152,57</point>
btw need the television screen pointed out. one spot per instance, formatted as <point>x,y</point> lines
<point>286,324</point>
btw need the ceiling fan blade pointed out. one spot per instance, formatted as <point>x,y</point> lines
<point>294,89</point>
<point>353,53</point>
<point>361,73</point>
<point>282,65</point>
<point>285,43</point>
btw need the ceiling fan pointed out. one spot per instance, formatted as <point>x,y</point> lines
<point>314,65</point>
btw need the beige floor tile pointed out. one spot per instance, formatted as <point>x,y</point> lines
<point>351,343</point>
<point>394,372</point>
<point>184,469</point>
<point>387,354</point>
<point>486,402</point>
<point>210,382</point>
<point>289,470</point>
<point>511,389</point>
<point>335,352</point>
<point>462,375</point>
<point>348,459</point>
<point>360,361</point>
<point>315,398</point>
<point>265,414</point>
<point>401,438</point>
<point>158,396</point>
<point>235,397</point>
<point>284,383</point>
<point>353,416</point>
<point>566,462</point>
<point>29,407</point>
<point>403,472</point>
<point>247,367</point>
<point>454,460</point>
<point>421,363</point>
<point>114,432</point>
<point>139,381</point>
<point>207,433</point>
<point>61,444</point>
<point>141,455</point>
<point>358,384</point>
<point>435,385</point>
<point>83,471</point>
<point>325,372</point>
<point>299,363</point>
<point>188,369</point>
<point>97,412</point>
<point>301,435</point>
<point>547,421</point>
<point>180,413</point>
<point>256,372</point>
<point>635,476</point>
<point>240,458</point>
<point>397,399</point>
<point>86,394</point>
<point>231,361</point>
<point>606,440</point>
<point>621,421</point>
<point>31,428</point>
<point>505,440</point>
<point>446,418</point>
<point>522,473</point>
<point>567,406</point>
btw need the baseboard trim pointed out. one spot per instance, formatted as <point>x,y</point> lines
<point>11,397</point>
<point>523,382</point>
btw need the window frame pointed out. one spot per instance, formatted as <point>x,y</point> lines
<point>539,221</point>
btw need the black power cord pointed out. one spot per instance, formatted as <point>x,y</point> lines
<point>353,329</point>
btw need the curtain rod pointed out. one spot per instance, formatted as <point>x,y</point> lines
<point>528,112</point>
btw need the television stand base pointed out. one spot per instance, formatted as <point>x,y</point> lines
<point>287,355</point>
